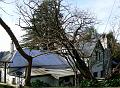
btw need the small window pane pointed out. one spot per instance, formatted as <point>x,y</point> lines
<point>95,74</point>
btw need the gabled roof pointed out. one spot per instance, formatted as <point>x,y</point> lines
<point>48,60</point>
<point>86,48</point>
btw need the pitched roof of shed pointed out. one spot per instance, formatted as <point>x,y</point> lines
<point>56,73</point>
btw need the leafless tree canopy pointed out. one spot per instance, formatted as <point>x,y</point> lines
<point>55,26</point>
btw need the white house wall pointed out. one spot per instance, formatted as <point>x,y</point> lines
<point>2,74</point>
<point>9,80</point>
<point>46,79</point>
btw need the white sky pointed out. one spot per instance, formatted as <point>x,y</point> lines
<point>101,8</point>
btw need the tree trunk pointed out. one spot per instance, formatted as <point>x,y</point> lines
<point>80,64</point>
<point>20,50</point>
<point>28,73</point>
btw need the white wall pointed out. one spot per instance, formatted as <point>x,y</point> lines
<point>2,74</point>
<point>46,79</point>
<point>18,80</point>
<point>9,79</point>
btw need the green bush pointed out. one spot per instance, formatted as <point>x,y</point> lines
<point>103,83</point>
<point>112,83</point>
<point>39,83</point>
<point>88,83</point>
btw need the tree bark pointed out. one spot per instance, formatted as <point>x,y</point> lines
<point>28,73</point>
<point>84,70</point>
<point>79,63</point>
<point>20,50</point>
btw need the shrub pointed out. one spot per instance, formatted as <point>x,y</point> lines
<point>112,83</point>
<point>103,83</point>
<point>39,83</point>
<point>88,83</point>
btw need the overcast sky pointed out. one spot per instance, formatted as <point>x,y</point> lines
<point>100,8</point>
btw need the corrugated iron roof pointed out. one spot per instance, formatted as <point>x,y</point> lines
<point>56,73</point>
<point>48,60</point>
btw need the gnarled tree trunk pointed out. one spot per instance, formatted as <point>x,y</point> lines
<point>20,50</point>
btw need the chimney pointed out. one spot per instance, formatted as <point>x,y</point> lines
<point>12,47</point>
<point>104,41</point>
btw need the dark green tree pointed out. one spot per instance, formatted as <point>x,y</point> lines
<point>113,45</point>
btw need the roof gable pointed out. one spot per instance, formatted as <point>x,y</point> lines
<point>86,49</point>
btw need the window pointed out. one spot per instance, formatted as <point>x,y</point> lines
<point>67,79</point>
<point>99,56</point>
<point>13,81</point>
<point>96,55</point>
<point>95,74</point>
<point>102,73</point>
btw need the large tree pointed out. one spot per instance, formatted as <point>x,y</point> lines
<point>114,47</point>
<point>20,50</point>
<point>56,27</point>
<point>18,47</point>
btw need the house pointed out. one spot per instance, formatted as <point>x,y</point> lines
<point>47,67</point>
<point>96,56</point>
<point>52,68</point>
